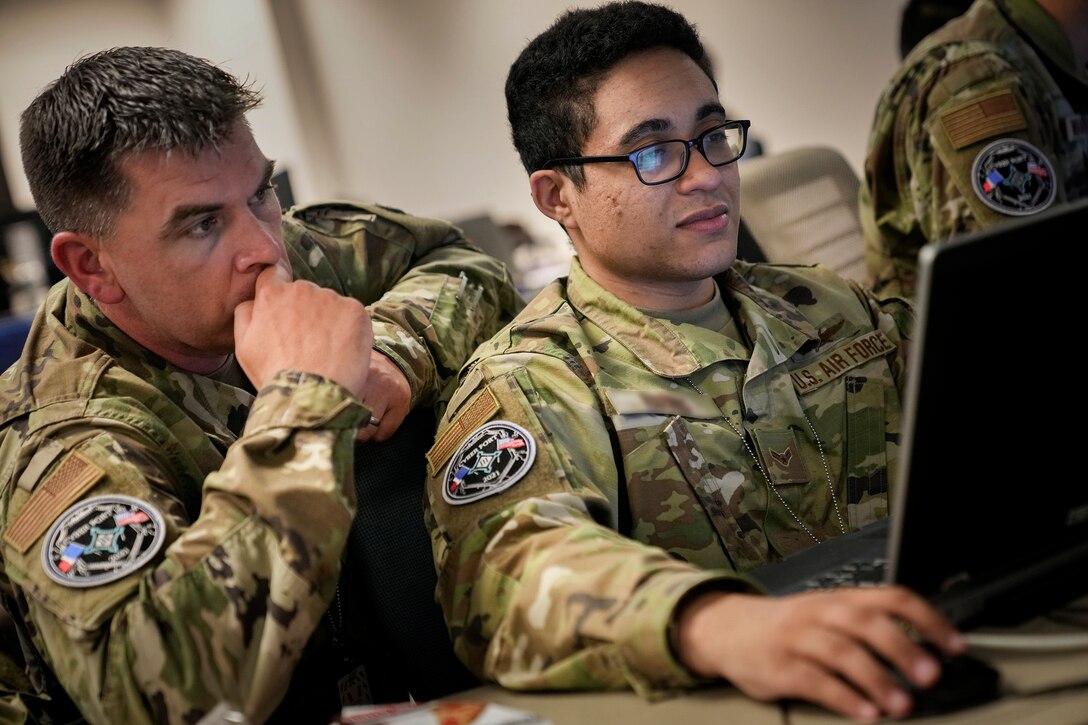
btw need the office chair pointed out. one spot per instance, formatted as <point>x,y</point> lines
<point>406,646</point>
<point>800,207</point>
<point>13,332</point>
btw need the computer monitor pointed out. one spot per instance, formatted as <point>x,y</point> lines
<point>994,423</point>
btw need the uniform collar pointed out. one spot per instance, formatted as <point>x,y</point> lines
<point>216,404</point>
<point>92,326</point>
<point>1045,34</point>
<point>774,328</point>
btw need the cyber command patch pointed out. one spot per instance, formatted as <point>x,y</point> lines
<point>1013,177</point>
<point>493,458</point>
<point>102,539</point>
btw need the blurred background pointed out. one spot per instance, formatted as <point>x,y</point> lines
<point>401,101</point>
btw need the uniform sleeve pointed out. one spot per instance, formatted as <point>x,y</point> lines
<point>224,608</point>
<point>931,141</point>
<point>433,296</point>
<point>539,589</point>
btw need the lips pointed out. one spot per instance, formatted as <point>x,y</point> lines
<point>710,217</point>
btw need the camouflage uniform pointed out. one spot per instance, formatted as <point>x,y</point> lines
<point>588,471</point>
<point>986,120</point>
<point>253,492</point>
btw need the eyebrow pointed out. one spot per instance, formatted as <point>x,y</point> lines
<point>184,213</point>
<point>656,125</point>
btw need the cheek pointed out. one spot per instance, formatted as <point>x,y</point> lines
<point>614,204</point>
<point>619,204</point>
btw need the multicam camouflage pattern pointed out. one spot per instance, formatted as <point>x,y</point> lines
<point>256,490</point>
<point>1002,70</point>
<point>432,296</point>
<point>640,488</point>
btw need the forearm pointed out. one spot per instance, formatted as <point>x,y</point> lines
<point>433,297</point>
<point>225,614</point>
<point>558,601</point>
<point>450,301</point>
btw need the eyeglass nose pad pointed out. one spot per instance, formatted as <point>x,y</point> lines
<point>702,152</point>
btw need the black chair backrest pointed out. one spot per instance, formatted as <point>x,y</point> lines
<point>406,648</point>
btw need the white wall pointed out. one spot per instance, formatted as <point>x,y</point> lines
<point>401,101</point>
<point>39,38</point>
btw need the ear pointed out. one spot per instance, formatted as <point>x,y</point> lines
<point>79,257</point>
<point>553,193</point>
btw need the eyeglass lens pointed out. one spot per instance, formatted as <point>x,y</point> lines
<point>667,160</point>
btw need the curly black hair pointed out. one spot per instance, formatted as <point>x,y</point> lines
<point>551,84</point>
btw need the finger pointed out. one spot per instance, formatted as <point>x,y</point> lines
<point>390,422</point>
<point>243,315</point>
<point>855,663</point>
<point>892,640</point>
<point>273,274</point>
<point>821,687</point>
<point>921,619</point>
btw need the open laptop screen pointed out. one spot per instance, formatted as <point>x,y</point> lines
<point>991,510</point>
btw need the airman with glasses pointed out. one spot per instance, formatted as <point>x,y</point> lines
<point>665,418</point>
<point>665,161</point>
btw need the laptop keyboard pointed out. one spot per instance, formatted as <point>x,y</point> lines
<point>857,573</point>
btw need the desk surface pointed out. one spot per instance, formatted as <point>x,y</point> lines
<point>1034,680</point>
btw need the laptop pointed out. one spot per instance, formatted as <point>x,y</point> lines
<point>989,517</point>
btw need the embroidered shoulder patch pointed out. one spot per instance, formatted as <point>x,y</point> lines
<point>1013,177</point>
<point>483,407</point>
<point>73,476</point>
<point>983,118</point>
<point>493,458</point>
<point>102,539</point>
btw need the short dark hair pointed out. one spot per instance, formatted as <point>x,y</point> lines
<point>551,84</point>
<point>114,103</point>
<point>922,17</point>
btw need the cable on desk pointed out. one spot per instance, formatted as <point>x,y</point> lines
<point>1072,618</point>
<point>1025,642</point>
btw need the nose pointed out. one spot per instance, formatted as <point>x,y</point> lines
<point>260,243</point>
<point>700,175</point>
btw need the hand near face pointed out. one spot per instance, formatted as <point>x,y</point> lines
<point>817,646</point>
<point>389,397</point>
<point>300,326</point>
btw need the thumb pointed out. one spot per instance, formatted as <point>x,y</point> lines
<point>243,314</point>
<point>274,274</point>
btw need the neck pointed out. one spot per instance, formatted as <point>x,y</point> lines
<point>1072,16</point>
<point>201,362</point>
<point>658,295</point>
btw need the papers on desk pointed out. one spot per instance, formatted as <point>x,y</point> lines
<point>439,712</point>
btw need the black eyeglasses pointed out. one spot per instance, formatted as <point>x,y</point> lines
<point>665,161</point>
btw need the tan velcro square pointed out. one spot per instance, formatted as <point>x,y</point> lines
<point>478,411</point>
<point>983,118</point>
<point>72,477</point>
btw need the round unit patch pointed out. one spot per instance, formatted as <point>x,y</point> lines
<point>1013,177</point>
<point>493,459</point>
<point>102,539</point>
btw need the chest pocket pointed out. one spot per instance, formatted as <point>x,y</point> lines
<point>870,453</point>
<point>849,394</point>
<point>684,492</point>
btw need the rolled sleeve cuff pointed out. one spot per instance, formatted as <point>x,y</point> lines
<point>408,353</point>
<point>294,399</point>
<point>653,669</point>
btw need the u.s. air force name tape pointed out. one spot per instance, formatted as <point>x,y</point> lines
<point>493,458</point>
<point>102,539</point>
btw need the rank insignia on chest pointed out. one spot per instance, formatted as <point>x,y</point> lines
<point>102,539</point>
<point>493,458</point>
